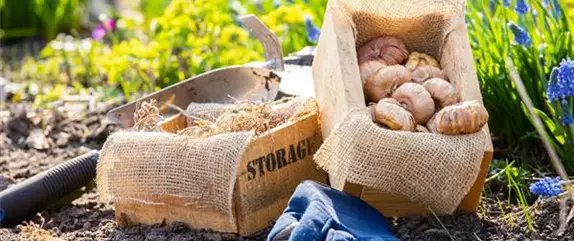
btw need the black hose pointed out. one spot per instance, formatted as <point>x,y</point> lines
<point>25,199</point>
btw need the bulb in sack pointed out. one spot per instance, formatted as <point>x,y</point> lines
<point>389,113</point>
<point>390,50</point>
<point>442,92</point>
<point>462,118</point>
<point>417,60</point>
<point>421,128</point>
<point>416,99</point>
<point>421,74</point>
<point>367,69</point>
<point>385,81</point>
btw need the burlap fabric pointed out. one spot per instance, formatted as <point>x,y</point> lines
<point>155,167</point>
<point>421,24</point>
<point>432,169</point>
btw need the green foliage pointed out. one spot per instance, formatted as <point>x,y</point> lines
<point>153,8</point>
<point>514,178</point>
<point>188,38</point>
<point>40,17</point>
<point>492,40</point>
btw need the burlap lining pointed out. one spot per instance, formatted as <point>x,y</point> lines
<point>432,169</point>
<point>436,170</point>
<point>155,167</point>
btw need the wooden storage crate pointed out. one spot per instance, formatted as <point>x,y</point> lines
<point>271,168</point>
<point>338,89</point>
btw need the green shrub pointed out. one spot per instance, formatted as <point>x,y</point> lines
<point>45,18</point>
<point>188,38</point>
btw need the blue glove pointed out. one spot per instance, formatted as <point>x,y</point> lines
<point>318,212</point>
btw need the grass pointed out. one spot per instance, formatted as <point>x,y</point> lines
<point>514,180</point>
<point>441,224</point>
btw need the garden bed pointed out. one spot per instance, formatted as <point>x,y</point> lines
<point>86,218</point>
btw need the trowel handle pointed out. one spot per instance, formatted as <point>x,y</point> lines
<point>270,42</point>
<point>24,199</point>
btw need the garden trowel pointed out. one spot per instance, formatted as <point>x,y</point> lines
<point>264,82</point>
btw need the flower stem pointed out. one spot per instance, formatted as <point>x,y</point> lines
<point>537,122</point>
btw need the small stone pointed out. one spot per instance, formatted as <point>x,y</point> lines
<point>37,140</point>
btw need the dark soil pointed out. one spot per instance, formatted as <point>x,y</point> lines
<point>32,142</point>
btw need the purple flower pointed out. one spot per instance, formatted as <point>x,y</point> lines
<point>521,36</point>
<point>547,187</point>
<point>506,3</point>
<point>100,31</point>
<point>312,31</point>
<point>110,25</point>
<point>521,7</point>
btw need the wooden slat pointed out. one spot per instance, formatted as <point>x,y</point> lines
<point>261,197</point>
<point>392,205</point>
<point>172,210</point>
<point>336,89</point>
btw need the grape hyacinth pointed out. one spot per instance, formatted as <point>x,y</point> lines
<point>312,31</point>
<point>553,92</point>
<point>506,3</point>
<point>547,187</point>
<point>566,75</point>
<point>521,7</point>
<point>567,119</point>
<point>521,36</point>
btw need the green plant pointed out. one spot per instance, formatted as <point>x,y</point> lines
<point>40,17</point>
<point>514,180</point>
<point>536,41</point>
<point>187,38</point>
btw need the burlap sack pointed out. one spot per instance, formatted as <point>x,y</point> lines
<point>432,169</point>
<point>155,167</point>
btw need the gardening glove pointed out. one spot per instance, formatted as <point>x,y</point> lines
<point>318,212</point>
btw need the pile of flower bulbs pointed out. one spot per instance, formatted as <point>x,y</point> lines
<point>412,93</point>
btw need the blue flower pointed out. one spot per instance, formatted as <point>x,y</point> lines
<point>567,119</point>
<point>506,3</point>
<point>312,31</point>
<point>566,74</point>
<point>547,187</point>
<point>552,93</point>
<point>521,7</point>
<point>521,36</point>
<point>561,85</point>
<point>276,3</point>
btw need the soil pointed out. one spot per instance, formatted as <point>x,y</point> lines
<point>34,141</point>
